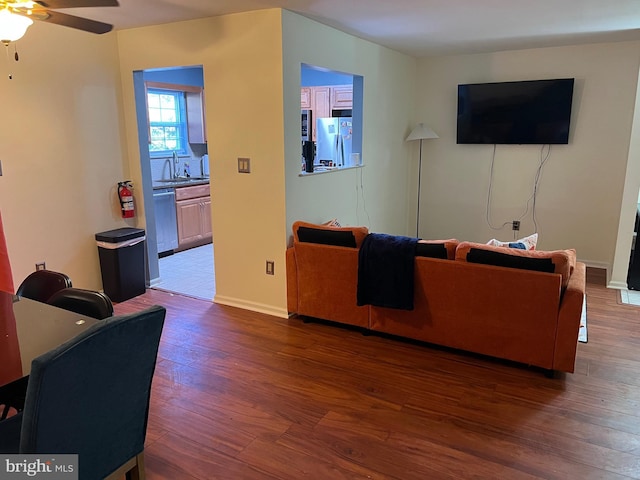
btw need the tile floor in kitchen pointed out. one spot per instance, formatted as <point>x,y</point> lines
<point>630,297</point>
<point>189,273</point>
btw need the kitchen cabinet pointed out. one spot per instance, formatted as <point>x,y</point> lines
<point>341,97</point>
<point>193,211</point>
<point>196,124</point>
<point>320,102</point>
<point>320,107</point>
<point>305,98</point>
<point>322,99</point>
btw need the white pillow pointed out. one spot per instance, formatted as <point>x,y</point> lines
<point>526,243</point>
<point>332,223</point>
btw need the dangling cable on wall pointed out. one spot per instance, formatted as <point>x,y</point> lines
<point>545,153</point>
<point>364,202</point>
<point>543,159</point>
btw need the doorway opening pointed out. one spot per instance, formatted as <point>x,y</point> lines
<point>174,162</point>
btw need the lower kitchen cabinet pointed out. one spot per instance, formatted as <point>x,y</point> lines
<point>193,210</point>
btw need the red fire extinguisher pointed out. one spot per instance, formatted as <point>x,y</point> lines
<point>125,194</point>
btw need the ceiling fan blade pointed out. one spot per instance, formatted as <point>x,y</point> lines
<point>78,23</point>
<point>77,3</point>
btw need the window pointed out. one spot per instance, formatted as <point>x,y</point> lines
<point>331,107</point>
<point>167,122</point>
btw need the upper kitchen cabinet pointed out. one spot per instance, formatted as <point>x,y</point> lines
<point>196,124</point>
<point>324,101</point>
<point>305,98</point>
<point>341,97</point>
<point>320,102</point>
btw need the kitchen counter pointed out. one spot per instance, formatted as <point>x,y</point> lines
<point>180,182</point>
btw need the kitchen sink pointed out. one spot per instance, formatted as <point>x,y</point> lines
<point>182,179</point>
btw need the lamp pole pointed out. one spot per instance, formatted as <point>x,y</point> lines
<point>420,132</point>
<point>419,181</point>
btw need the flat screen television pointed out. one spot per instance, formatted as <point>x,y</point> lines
<point>524,112</point>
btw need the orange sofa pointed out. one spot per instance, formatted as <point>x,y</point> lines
<point>526,316</point>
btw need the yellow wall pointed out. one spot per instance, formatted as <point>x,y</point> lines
<point>61,147</point>
<point>580,192</point>
<point>242,60</point>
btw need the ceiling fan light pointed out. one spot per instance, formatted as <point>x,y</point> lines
<point>12,26</point>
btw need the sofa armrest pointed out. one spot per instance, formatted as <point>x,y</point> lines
<point>292,281</point>
<point>327,281</point>
<point>569,320</point>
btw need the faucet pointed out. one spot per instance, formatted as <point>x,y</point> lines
<point>175,165</point>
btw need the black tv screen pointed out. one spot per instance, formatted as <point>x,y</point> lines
<point>525,112</point>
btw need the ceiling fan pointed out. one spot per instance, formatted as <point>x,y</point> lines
<point>17,15</point>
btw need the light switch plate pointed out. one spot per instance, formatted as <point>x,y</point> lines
<point>244,165</point>
<point>0,168</point>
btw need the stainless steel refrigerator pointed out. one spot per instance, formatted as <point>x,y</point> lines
<point>333,137</point>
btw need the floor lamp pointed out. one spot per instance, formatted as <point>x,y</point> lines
<point>421,132</point>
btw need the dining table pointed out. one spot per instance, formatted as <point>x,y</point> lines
<point>28,329</point>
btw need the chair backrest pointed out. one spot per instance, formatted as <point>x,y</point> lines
<point>90,396</point>
<point>41,284</point>
<point>86,302</point>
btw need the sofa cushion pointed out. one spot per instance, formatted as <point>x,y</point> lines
<point>326,237</point>
<point>329,235</point>
<point>437,248</point>
<point>555,261</point>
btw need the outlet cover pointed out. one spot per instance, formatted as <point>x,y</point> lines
<point>244,165</point>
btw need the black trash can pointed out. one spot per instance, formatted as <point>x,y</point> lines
<point>121,254</point>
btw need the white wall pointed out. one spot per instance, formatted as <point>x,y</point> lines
<point>580,192</point>
<point>375,195</point>
<point>629,207</point>
<point>61,147</point>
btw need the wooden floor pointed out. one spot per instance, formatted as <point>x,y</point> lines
<point>240,395</point>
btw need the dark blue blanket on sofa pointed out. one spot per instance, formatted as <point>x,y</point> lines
<point>385,271</point>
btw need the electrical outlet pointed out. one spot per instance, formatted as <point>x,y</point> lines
<point>41,266</point>
<point>244,165</point>
<point>270,267</point>
<point>515,225</point>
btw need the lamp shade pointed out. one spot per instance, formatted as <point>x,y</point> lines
<point>421,131</point>
<point>12,26</point>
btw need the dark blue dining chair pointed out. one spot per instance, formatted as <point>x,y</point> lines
<point>90,396</point>
<point>86,302</point>
<point>41,284</point>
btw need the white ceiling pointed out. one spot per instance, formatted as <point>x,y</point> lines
<point>417,27</point>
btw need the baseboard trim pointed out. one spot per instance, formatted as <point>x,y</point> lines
<point>253,306</point>
<point>602,265</point>
<point>617,285</point>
